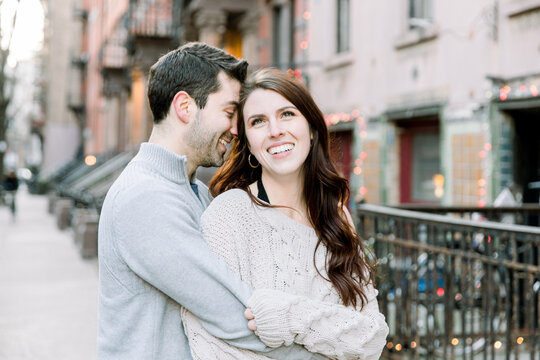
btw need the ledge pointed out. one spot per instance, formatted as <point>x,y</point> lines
<point>416,36</point>
<point>341,126</point>
<point>523,7</point>
<point>338,61</point>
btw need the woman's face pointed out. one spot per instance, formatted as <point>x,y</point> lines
<point>278,135</point>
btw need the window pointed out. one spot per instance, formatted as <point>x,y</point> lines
<point>276,35</point>
<point>420,13</point>
<point>425,166</point>
<point>283,35</point>
<point>343,26</point>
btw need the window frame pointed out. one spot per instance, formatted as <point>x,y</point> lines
<point>420,14</point>
<point>343,26</point>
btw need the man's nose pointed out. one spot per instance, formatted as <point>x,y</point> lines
<point>234,127</point>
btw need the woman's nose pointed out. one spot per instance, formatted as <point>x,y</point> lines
<point>275,129</point>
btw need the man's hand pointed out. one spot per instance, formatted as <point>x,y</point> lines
<point>251,320</point>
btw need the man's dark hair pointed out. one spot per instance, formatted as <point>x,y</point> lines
<point>193,68</point>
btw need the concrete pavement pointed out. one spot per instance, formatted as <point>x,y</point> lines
<point>48,293</point>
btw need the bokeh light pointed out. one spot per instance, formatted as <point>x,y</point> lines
<point>90,160</point>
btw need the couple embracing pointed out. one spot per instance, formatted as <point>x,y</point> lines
<point>272,266</point>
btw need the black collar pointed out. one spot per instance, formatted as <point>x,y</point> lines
<point>262,195</point>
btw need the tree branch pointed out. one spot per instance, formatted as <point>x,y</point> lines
<point>13,22</point>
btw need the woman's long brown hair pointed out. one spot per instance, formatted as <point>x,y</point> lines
<point>348,266</point>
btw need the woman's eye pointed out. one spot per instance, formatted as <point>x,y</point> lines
<point>256,121</point>
<point>287,114</point>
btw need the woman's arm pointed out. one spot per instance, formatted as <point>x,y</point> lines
<point>331,329</point>
<point>334,330</point>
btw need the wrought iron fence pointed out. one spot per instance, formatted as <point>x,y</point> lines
<point>453,288</point>
<point>525,214</point>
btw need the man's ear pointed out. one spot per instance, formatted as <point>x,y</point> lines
<point>184,106</point>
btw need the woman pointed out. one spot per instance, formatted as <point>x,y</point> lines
<point>280,224</point>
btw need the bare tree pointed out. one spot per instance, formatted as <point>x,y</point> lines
<point>6,85</point>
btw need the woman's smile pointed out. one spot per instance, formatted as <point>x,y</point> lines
<point>280,149</point>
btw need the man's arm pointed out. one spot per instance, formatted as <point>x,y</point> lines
<point>158,237</point>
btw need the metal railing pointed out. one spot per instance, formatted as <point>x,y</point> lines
<point>152,18</point>
<point>453,288</point>
<point>524,214</point>
<point>114,53</point>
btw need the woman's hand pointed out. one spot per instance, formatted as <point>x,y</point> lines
<point>251,320</point>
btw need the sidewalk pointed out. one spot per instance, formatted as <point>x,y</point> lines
<point>48,293</point>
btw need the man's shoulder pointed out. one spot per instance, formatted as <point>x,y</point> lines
<point>137,187</point>
<point>131,181</point>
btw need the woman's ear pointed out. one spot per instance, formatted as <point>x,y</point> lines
<point>183,106</point>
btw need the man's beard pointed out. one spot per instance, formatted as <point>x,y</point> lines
<point>204,144</point>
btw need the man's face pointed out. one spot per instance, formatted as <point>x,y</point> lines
<point>211,129</point>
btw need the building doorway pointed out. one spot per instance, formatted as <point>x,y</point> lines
<point>420,161</point>
<point>341,152</point>
<point>526,145</point>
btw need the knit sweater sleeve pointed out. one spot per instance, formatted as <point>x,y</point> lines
<point>334,330</point>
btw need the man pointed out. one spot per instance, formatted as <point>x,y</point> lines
<point>152,258</point>
<point>10,186</point>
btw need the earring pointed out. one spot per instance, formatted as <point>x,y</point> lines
<point>250,164</point>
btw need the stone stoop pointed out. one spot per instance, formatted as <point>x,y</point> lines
<point>85,231</point>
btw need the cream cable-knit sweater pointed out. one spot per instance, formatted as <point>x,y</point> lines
<point>291,303</point>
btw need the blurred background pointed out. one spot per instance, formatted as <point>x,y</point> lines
<point>434,114</point>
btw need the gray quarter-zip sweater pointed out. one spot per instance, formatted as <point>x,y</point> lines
<point>153,260</point>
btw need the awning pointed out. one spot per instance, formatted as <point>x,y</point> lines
<point>414,111</point>
<point>518,104</point>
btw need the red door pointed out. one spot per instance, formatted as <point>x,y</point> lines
<point>419,163</point>
<point>340,152</point>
